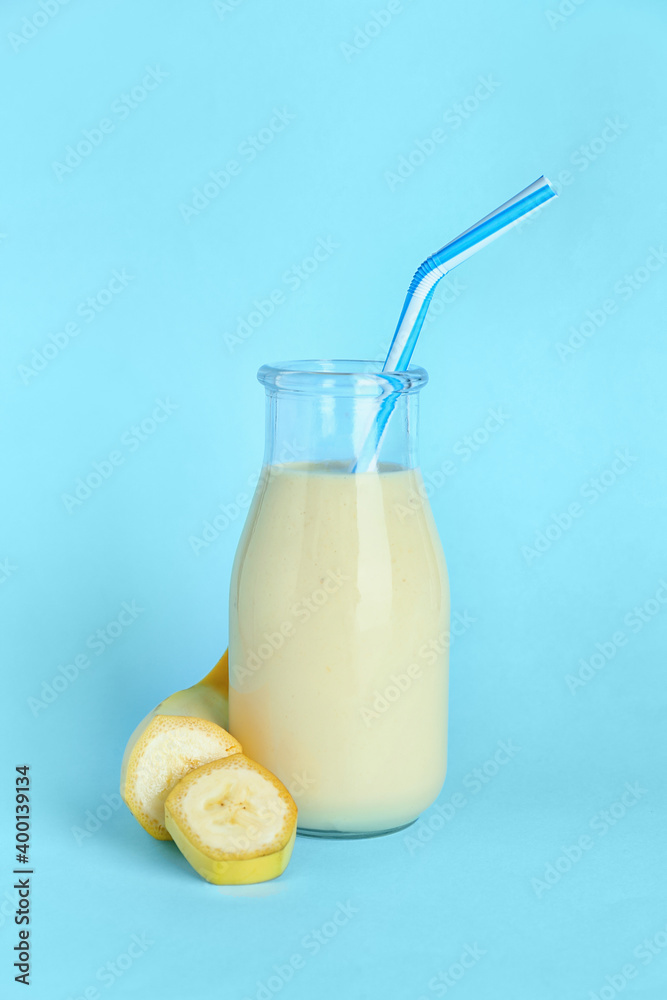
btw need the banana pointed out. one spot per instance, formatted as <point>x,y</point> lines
<point>184,731</point>
<point>233,821</point>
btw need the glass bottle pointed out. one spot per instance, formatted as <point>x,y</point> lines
<point>339,605</point>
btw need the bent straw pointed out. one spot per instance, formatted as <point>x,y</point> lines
<point>421,292</point>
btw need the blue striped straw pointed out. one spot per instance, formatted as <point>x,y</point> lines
<point>421,292</point>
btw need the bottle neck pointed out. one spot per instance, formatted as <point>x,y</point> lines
<point>317,428</point>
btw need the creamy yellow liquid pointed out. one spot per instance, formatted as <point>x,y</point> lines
<point>339,618</point>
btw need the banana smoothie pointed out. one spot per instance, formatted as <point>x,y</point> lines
<point>339,618</point>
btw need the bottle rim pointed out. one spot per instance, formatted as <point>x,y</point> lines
<point>339,377</point>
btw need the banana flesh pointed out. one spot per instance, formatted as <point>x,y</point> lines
<point>185,730</point>
<point>169,748</point>
<point>233,820</point>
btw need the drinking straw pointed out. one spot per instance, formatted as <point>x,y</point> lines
<point>421,292</point>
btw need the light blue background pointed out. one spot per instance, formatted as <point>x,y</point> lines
<point>495,344</point>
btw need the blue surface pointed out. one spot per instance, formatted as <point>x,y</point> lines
<point>557,329</point>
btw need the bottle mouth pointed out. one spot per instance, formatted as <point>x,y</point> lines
<point>340,378</point>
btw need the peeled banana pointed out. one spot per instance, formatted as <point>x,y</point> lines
<point>184,731</point>
<point>233,820</point>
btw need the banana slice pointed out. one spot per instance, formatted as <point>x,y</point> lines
<point>167,748</point>
<point>208,699</point>
<point>233,821</point>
